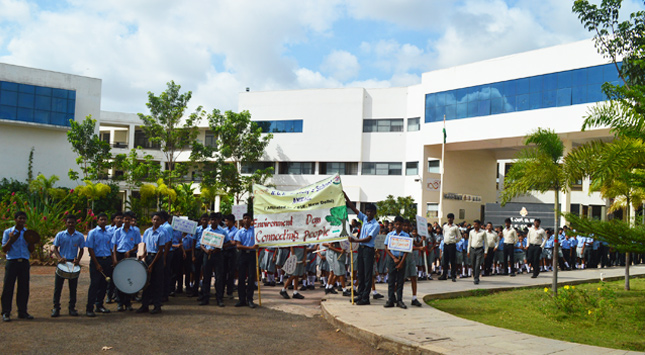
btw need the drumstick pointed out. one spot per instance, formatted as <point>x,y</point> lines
<point>107,279</point>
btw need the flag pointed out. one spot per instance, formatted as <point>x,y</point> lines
<point>444,129</point>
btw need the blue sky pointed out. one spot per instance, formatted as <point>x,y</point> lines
<point>218,48</point>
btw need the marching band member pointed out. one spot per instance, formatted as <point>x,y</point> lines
<point>99,246</point>
<point>16,268</point>
<point>68,245</point>
<point>154,243</point>
<point>126,244</point>
<point>245,242</point>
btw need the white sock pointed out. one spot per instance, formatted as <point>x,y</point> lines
<point>374,292</point>
<point>295,292</point>
<point>414,297</point>
<point>284,289</point>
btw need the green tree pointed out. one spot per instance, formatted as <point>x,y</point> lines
<point>137,169</point>
<point>93,191</point>
<point>93,153</point>
<point>538,168</point>
<point>44,186</point>
<point>399,206</point>
<point>170,127</point>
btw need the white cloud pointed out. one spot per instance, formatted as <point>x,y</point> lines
<point>342,65</point>
<point>418,14</point>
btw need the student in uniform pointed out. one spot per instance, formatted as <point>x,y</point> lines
<point>214,262</point>
<point>451,236</point>
<point>365,257</point>
<point>491,240</point>
<point>509,234</point>
<point>520,253</point>
<point>536,239</point>
<point>99,246</point>
<point>166,227</point>
<point>188,253</point>
<point>16,267</point>
<point>461,246</point>
<point>68,245</point>
<point>230,256</point>
<point>281,257</point>
<point>411,260</point>
<point>126,245</point>
<point>499,256</point>
<point>198,255</point>
<point>245,243</point>
<point>396,267</point>
<point>301,256</point>
<point>309,282</point>
<point>323,265</point>
<point>175,260</point>
<point>154,244</point>
<point>477,248</point>
<point>117,222</point>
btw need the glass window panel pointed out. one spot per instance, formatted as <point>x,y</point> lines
<point>430,114</point>
<point>522,86</point>
<point>451,97</point>
<point>433,166</point>
<point>60,93</point>
<point>297,126</point>
<point>414,124</point>
<point>439,111</point>
<point>396,125</point>
<point>509,104</point>
<point>41,116</point>
<point>441,99</point>
<point>71,95</point>
<point>59,118</point>
<point>265,126</point>
<point>535,84</point>
<point>473,94</point>
<point>484,108</point>
<point>28,89</point>
<point>579,95</point>
<point>496,90</point>
<point>8,98</point>
<point>25,100</point>
<point>368,169</point>
<point>462,95</point>
<point>8,112</point>
<point>451,112</point>
<point>564,79</point>
<point>382,125</point>
<point>522,102</point>
<point>71,106</point>
<point>59,105</point>
<point>412,168</point>
<point>610,73</point>
<point>548,98</point>
<point>274,126</point>
<point>473,108</point>
<point>510,88</point>
<point>594,75</point>
<point>43,102</point>
<point>382,168</point>
<point>564,97</point>
<point>496,106</point>
<point>395,169</point>
<point>594,93</point>
<point>43,91</point>
<point>462,110</point>
<point>484,93</point>
<point>579,77</point>
<point>431,100</point>
<point>535,100</point>
<point>550,82</point>
<point>26,114</point>
<point>5,85</point>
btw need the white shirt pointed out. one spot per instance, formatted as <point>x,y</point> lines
<point>477,239</point>
<point>492,239</point>
<point>510,235</point>
<point>536,236</point>
<point>451,233</point>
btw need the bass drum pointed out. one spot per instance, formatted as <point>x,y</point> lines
<point>130,275</point>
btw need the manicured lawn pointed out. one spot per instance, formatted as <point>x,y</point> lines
<point>609,317</point>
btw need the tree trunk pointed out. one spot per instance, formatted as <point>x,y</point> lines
<point>554,257</point>
<point>627,256</point>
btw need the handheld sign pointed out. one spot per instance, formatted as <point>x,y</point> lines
<point>184,225</point>
<point>213,239</point>
<point>422,226</point>
<point>290,264</point>
<point>239,210</point>
<point>345,245</point>
<point>379,242</point>
<point>403,244</point>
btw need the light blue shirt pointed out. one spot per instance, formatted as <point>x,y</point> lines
<point>246,236</point>
<point>218,230</point>
<point>460,244</point>
<point>198,236</point>
<point>187,242</point>
<point>154,240</point>
<point>519,245</point>
<point>176,239</point>
<point>581,241</point>
<point>500,245</point>
<point>166,227</point>
<point>573,242</point>
<point>69,244</point>
<point>19,248</point>
<point>396,253</point>
<point>549,243</point>
<point>231,235</point>
<point>565,243</point>
<point>371,228</point>
<point>125,241</point>
<point>100,241</point>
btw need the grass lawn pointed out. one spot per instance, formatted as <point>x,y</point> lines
<point>611,317</point>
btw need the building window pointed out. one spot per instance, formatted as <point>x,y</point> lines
<point>383,125</point>
<point>280,126</point>
<point>338,168</point>
<point>432,210</point>
<point>433,166</point>
<point>306,168</point>
<point>412,168</point>
<point>414,124</point>
<point>38,104</point>
<point>209,140</point>
<point>572,87</point>
<point>253,167</point>
<point>141,140</point>
<point>382,168</point>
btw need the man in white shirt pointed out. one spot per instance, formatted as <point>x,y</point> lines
<point>451,235</point>
<point>477,248</point>
<point>492,239</point>
<point>510,239</point>
<point>536,238</point>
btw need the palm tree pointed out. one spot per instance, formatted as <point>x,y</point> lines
<point>43,185</point>
<point>538,168</point>
<point>160,190</point>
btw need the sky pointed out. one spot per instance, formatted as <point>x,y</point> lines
<point>218,48</point>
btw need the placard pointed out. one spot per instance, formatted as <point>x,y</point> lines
<point>184,225</point>
<point>290,265</point>
<point>212,239</point>
<point>238,211</point>
<point>379,242</point>
<point>403,244</point>
<point>345,245</point>
<point>422,226</point>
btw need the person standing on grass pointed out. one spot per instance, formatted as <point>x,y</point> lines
<point>16,267</point>
<point>536,238</point>
<point>396,266</point>
<point>451,235</point>
<point>477,248</point>
<point>369,230</point>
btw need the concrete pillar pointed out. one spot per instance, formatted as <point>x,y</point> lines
<point>131,129</point>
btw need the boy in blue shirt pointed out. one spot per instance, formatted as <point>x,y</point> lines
<point>16,268</point>
<point>154,244</point>
<point>245,243</point>
<point>214,262</point>
<point>198,255</point>
<point>99,246</point>
<point>68,245</point>
<point>230,256</point>
<point>126,242</point>
<point>396,267</point>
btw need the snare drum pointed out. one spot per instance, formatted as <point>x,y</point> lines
<point>68,270</point>
<point>130,275</point>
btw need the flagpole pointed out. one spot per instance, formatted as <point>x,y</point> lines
<point>441,171</point>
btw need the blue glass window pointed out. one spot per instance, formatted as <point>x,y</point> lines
<point>26,114</point>
<point>43,102</point>
<point>5,85</point>
<point>29,89</point>
<point>9,98</point>
<point>509,104</point>
<point>30,103</point>
<point>496,106</point>
<point>564,97</point>
<point>25,100</point>
<point>484,108</point>
<point>548,98</point>
<point>594,75</point>
<point>278,126</point>
<point>41,116</point>
<point>473,108</point>
<point>550,82</point>
<point>43,91</point>
<point>451,112</point>
<point>564,79</point>
<point>462,110</point>
<point>8,112</point>
<point>535,100</point>
<point>522,86</point>
<point>522,102</point>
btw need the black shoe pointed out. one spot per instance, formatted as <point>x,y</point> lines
<point>339,288</point>
<point>272,284</point>
<point>416,303</point>
<point>220,303</point>
<point>55,312</point>
<point>311,287</point>
<point>110,301</point>
<point>73,313</point>
<point>332,291</point>
<point>251,304</point>
<point>143,309</point>
<point>171,294</point>
<point>90,314</point>
<point>356,298</point>
<point>102,309</point>
<point>284,295</point>
<point>5,317</point>
<point>476,282</point>
<point>155,310</point>
<point>388,304</point>
<point>240,304</point>
<point>203,302</point>
<point>298,296</point>
<point>400,304</point>
<point>363,302</point>
<point>303,288</point>
<point>129,308</point>
<point>377,296</point>
<point>121,308</point>
<point>347,293</point>
<point>200,297</point>
<point>513,274</point>
<point>24,315</point>
<point>454,279</point>
<point>443,278</point>
<point>533,276</point>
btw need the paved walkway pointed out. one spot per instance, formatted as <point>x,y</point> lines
<point>427,330</point>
